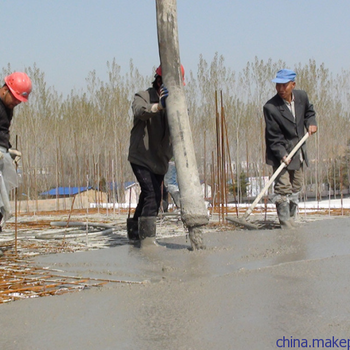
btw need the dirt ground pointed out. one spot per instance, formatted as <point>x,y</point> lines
<point>255,289</point>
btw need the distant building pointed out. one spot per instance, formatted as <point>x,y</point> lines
<point>64,191</point>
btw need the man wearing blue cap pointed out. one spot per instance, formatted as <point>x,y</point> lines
<point>287,116</point>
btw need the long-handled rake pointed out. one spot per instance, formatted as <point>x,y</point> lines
<point>243,220</point>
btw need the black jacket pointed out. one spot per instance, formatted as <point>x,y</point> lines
<point>5,122</point>
<point>283,132</point>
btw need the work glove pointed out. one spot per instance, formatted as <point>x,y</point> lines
<point>15,155</point>
<point>163,96</point>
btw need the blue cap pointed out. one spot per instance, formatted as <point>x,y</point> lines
<point>284,76</point>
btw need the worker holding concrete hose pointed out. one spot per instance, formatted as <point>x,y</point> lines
<point>288,115</point>
<point>149,154</point>
<point>16,89</point>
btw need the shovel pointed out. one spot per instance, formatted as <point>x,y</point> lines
<point>243,221</point>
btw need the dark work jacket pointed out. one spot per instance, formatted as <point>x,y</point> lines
<point>150,144</point>
<point>5,122</point>
<point>283,132</point>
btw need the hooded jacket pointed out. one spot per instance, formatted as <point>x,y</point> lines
<point>283,131</point>
<point>150,144</point>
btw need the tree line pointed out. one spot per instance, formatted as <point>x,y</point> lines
<point>83,138</point>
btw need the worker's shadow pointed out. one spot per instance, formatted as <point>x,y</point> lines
<point>162,244</point>
<point>114,239</point>
<point>174,246</point>
<point>115,236</point>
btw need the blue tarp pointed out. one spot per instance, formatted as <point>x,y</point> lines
<point>65,191</point>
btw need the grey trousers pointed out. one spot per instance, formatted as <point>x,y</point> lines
<point>289,181</point>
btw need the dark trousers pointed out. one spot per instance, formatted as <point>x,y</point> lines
<point>151,194</point>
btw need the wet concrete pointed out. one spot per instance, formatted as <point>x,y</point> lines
<point>245,291</point>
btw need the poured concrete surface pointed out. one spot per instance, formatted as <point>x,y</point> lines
<point>245,291</point>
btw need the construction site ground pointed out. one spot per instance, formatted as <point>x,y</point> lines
<point>72,280</point>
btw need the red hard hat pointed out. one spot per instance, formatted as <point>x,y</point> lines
<point>20,85</point>
<point>159,72</point>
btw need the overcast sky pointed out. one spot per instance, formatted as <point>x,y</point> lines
<point>67,39</point>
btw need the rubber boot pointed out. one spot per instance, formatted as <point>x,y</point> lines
<point>293,206</point>
<point>147,231</point>
<point>132,229</point>
<point>283,212</point>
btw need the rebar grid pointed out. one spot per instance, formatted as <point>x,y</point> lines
<point>20,278</point>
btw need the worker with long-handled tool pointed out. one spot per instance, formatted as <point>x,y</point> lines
<point>16,89</point>
<point>149,154</point>
<point>287,115</point>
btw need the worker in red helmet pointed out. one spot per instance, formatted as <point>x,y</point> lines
<point>15,90</point>
<point>149,154</point>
